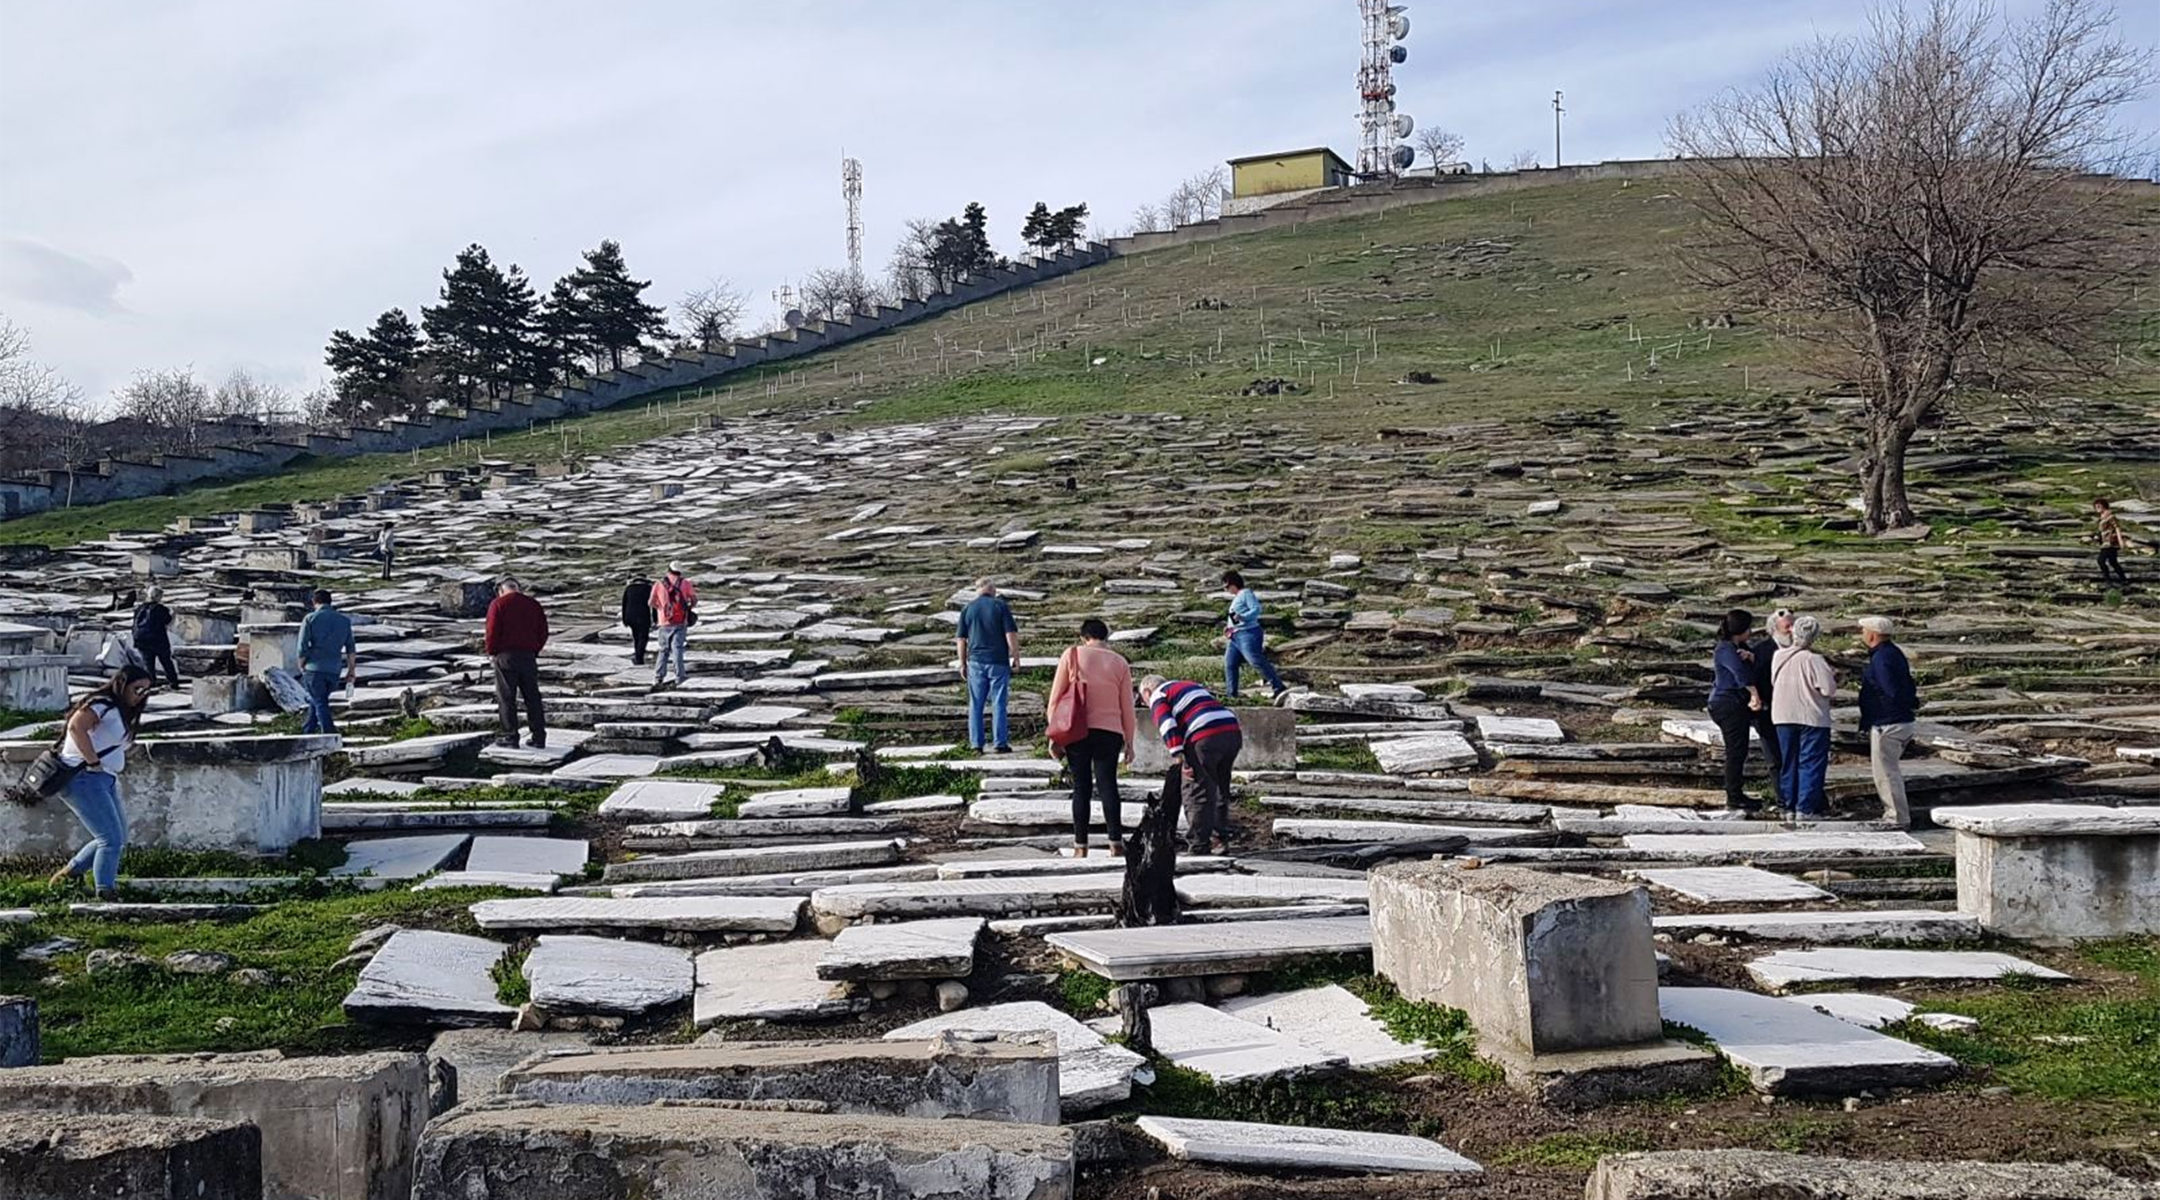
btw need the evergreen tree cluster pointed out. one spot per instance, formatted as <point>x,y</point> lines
<point>1046,230</point>
<point>489,334</point>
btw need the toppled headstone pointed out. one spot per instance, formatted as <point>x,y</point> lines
<point>1844,964</point>
<point>424,977</point>
<point>1092,1072</point>
<point>1788,1052</point>
<point>1300,1148</point>
<point>576,974</point>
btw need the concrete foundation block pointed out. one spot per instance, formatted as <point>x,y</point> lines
<point>1704,1174</point>
<point>1576,1080</point>
<point>18,1031</point>
<point>1270,743</point>
<point>50,1156</point>
<point>332,1128</point>
<point>464,597</point>
<point>248,795</point>
<point>34,682</point>
<point>981,1077</point>
<point>1543,962</point>
<point>510,1150</point>
<point>2057,873</point>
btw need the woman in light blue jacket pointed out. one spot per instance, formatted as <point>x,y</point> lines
<point>1242,639</point>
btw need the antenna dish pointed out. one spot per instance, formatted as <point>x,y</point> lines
<point>794,317</point>
<point>1403,125</point>
<point>1403,157</point>
<point>1399,26</point>
<point>1398,54</point>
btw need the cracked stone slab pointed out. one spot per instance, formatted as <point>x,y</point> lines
<point>422,977</point>
<point>1844,964</point>
<point>1297,1147</point>
<point>1092,1072</point>
<point>576,974</point>
<point>1788,1050</point>
<point>934,949</point>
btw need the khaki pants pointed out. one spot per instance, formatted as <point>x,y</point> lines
<point>1886,746</point>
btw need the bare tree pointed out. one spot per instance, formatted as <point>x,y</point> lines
<point>26,383</point>
<point>711,313</point>
<point>1524,160</point>
<point>43,424</point>
<point>910,275</point>
<point>1912,200</point>
<point>173,404</point>
<point>834,294</point>
<point>318,406</point>
<point>1198,198</point>
<point>1149,218</point>
<point>1441,146</point>
<point>242,397</point>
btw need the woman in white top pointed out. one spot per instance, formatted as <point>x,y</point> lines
<point>99,730</point>
<point>1801,684</point>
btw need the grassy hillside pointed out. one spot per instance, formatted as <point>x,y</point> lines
<point>1521,305</point>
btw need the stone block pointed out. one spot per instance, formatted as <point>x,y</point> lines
<point>1789,1050</point>
<point>577,974</point>
<point>573,1152</point>
<point>2054,873</point>
<point>19,1031</point>
<point>425,977</point>
<point>464,597</point>
<point>1704,1174</point>
<point>1236,947</point>
<point>1577,1080</point>
<point>47,1156</point>
<point>34,683</point>
<point>246,795</point>
<point>341,1128</point>
<point>987,1077</point>
<point>1542,961</point>
<point>1270,743</point>
<point>1092,1072</point>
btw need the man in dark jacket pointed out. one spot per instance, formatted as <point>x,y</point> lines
<point>637,615</point>
<point>1761,649</point>
<point>517,629</point>
<point>1889,704</point>
<point>153,635</point>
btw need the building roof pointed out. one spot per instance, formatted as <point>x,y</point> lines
<point>1252,158</point>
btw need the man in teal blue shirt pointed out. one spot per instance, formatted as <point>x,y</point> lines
<point>987,641</point>
<point>325,638</point>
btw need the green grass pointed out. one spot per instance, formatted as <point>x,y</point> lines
<point>1339,756</point>
<point>511,986</point>
<point>1325,1103</point>
<point>904,782</point>
<point>1083,991</point>
<point>2039,1042</point>
<point>153,1011</point>
<point>1573,1151</point>
<point>12,717</point>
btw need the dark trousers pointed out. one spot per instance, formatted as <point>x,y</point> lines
<point>159,653</point>
<point>1093,761</point>
<point>1734,722</point>
<point>2111,564</point>
<point>318,685</point>
<point>1773,753</point>
<point>1207,793</point>
<point>640,637</point>
<point>387,555</point>
<point>518,674</point>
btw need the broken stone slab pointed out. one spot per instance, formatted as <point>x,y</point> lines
<point>914,805</point>
<point>902,677</point>
<point>1329,1019</point>
<point>63,1156</point>
<point>755,860</point>
<point>343,1127</point>
<point>1225,890</point>
<point>797,802</point>
<point>1092,1072</point>
<point>1315,829</point>
<point>698,914</point>
<point>1175,951</point>
<point>496,1152</point>
<point>689,835</point>
<point>1701,1174</point>
<point>399,857</point>
<point>1520,730</point>
<point>1852,925</point>
<point>1772,847</point>
<point>1789,1052</point>
<point>1231,1051</point>
<point>986,1077</point>
<point>576,974</point>
<point>1541,961</point>
<point>934,949</point>
<point>1844,964</point>
<point>1424,753</point>
<point>416,751</point>
<point>1315,702</point>
<point>527,856</point>
<point>774,981</point>
<point>423,977</point>
<point>1300,1148</point>
<point>837,907</point>
<point>1001,810</point>
<point>1873,1012</point>
<point>662,799</point>
<point>510,880</point>
<point>2058,872</point>
<point>1729,885</point>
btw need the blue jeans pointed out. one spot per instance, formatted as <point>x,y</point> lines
<point>319,685</point>
<point>94,797</point>
<point>991,681</point>
<point>1245,647</point>
<point>1803,765</point>
<point>673,638</point>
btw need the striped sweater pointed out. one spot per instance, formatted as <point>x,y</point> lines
<point>1185,712</point>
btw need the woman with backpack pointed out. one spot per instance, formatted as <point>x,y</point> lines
<point>96,735</point>
<point>1104,711</point>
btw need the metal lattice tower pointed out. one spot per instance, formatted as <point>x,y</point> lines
<point>1380,127</point>
<point>851,191</point>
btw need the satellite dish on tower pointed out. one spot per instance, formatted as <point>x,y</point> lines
<point>1403,157</point>
<point>794,317</point>
<point>1403,125</point>
<point>1398,54</point>
<point>1399,25</point>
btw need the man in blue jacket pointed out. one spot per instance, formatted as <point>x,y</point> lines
<point>1888,704</point>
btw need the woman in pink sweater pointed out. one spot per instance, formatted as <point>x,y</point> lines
<point>1106,694</point>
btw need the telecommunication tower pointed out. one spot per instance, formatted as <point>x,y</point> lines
<point>1380,128</point>
<point>851,191</point>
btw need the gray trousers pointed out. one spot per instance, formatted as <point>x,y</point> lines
<point>1207,793</point>
<point>1886,745</point>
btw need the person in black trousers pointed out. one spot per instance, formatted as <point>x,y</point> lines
<point>1761,651</point>
<point>637,615</point>
<point>1732,704</point>
<point>153,635</point>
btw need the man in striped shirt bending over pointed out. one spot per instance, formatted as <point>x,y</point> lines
<point>1203,733</point>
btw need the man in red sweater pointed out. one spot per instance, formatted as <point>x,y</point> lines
<point>516,630</point>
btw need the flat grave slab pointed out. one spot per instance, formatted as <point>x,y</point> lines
<point>755,860</point>
<point>527,856</point>
<point>668,914</point>
<point>1844,925</point>
<point>1318,829</point>
<point>662,799</point>
<point>1000,810</point>
<point>1228,1050</point>
<point>399,857</point>
<point>1171,951</point>
<point>1092,1072</point>
<point>967,897</point>
<point>1842,964</point>
<point>1870,1011</point>
<point>797,802</point>
<point>1300,1148</point>
<point>576,974</point>
<point>1730,885</point>
<point>1769,846</point>
<point>774,981</point>
<point>1331,1020</point>
<point>914,804</point>
<point>422,977</point>
<point>1789,1050</point>
<point>1421,753</point>
<point>934,949</point>
<point>1520,729</point>
<point>609,766</point>
<point>517,881</point>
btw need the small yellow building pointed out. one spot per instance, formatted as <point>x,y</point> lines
<point>1291,171</point>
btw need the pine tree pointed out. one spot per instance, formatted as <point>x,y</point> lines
<point>614,316</point>
<point>1035,231</point>
<point>377,372</point>
<point>1066,226</point>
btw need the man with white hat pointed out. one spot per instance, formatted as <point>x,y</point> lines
<point>674,599</point>
<point>1888,705</point>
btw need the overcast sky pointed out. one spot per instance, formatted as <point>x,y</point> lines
<point>219,183</point>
